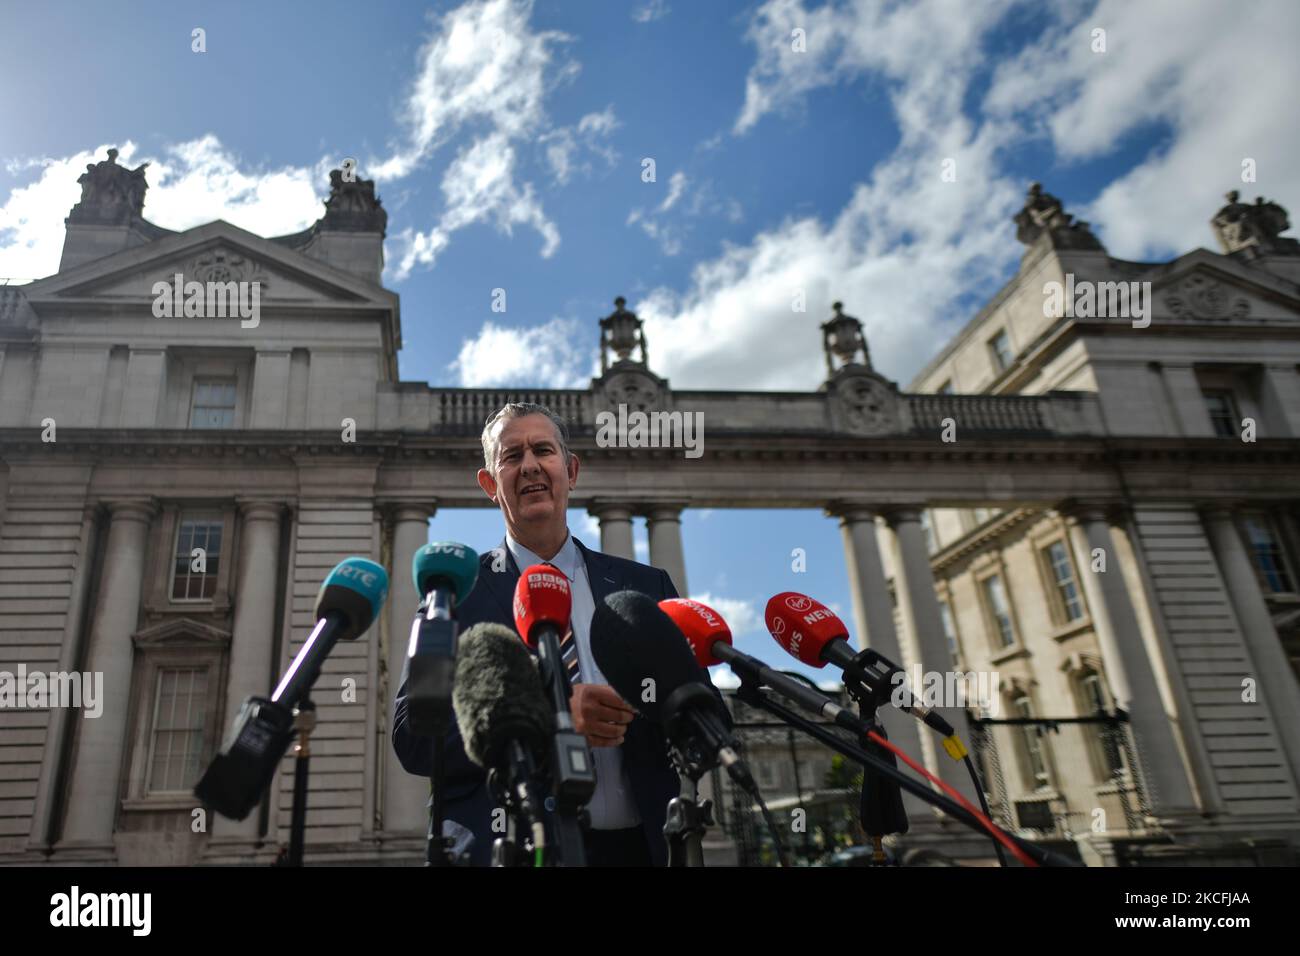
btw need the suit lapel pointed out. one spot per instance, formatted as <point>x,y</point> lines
<point>502,583</point>
<point>603,579</point>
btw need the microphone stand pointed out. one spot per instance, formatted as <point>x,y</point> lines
<point>304,722</point>
<point>749,693</point>
<point>688,818</point>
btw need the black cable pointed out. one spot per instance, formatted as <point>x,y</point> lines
<point>771,828</point>
<point>979,791</point>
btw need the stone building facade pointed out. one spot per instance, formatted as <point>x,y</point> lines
<point>181,465</point>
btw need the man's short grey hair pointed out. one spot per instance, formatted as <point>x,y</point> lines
<point>519,410</point>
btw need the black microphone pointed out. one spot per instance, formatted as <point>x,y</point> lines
<point>347,603</point>
<point>648,661</point>
<point>504,719</point>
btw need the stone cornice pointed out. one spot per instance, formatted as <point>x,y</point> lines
<point>979,539</point>
<point>756,445</point>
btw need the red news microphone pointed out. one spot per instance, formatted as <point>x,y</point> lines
<point>813,633</point>
<point>710,639</point>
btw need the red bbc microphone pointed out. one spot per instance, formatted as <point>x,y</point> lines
<point>542,606</point>
<point>542,603</point>
<point>813,633</point>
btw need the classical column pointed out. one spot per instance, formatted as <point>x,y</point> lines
<point>914,584</point>
<point>665,523</point>
<point>1129,669</point>
<point>96,772</point>
<point>1280,692</point>
<point>58,730</point>
<point>873,619</point>
<point>254,631</point>
<point>615,528</point>
<point>873,609</point>
<point>405,796</point>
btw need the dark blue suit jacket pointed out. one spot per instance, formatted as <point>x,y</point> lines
<point>645,757</point>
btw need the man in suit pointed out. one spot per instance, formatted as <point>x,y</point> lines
<point>528,473</point>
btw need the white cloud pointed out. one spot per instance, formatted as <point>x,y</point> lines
<point>589,530</point>
<point>1191,80</point>
<point>650,10</point>
<point>704,201</point>
<point>191,183</point>
<point>484,65</point>
<point>676,186</point>
<point>562,143</point>
<point>479,186</point>
<point>742,617</point>
<point>905,247</point>
<point>540,357</point>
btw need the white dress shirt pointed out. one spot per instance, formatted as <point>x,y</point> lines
<point>611,806</point>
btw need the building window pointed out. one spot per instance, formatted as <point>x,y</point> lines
<point>1266,554</point>
<point>949,630</point>
<point>1223,413</point>
<point>1110,757</point>
<point>194,575</point>
<point>1032,742</point>
<point>995,600</point>
<point>1000,349</point>
<point>213,404</point>
<point>945,388</point>
<point>1067,604</point>
<point>982,515</point>
<point>176,740</point>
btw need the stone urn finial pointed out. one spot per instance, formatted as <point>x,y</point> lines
<point>842,338</point>
<point>621,332</point>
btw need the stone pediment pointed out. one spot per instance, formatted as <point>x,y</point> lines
<point>1204,287</point>
<point>216,252</point>
<point>181,632</point>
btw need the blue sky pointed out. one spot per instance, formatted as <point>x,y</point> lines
<point>507,139</point>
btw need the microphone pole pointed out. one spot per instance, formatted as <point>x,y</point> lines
<point>444,574</point>
<point>750,694</point>
<point>348,601</point>
<point>542,607</point>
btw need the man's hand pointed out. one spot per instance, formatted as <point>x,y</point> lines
<point>599,714</point>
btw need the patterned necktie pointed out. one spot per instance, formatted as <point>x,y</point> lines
<point>568,643</point>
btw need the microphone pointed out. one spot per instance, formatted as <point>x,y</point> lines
<point>641,652</point>
<point>542,607</point>
<point>710,639</point>
<point>504,719</point>
<point>811,632</point>
<point>444,574</point>
<point>347,603</point>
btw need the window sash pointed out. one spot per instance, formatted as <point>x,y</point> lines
<point>176,729</point>
<point>1266,555</point>
<point>194,533</point>
<point>1068,602</point>
<point>213,404</point>
<point>999,610</point>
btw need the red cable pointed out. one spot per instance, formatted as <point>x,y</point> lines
<point>1001,837</point>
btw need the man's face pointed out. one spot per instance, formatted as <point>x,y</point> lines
<point>531,484</point>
